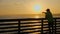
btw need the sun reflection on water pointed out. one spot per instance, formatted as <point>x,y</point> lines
<point>37,16</point>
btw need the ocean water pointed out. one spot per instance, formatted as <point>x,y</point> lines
<point>26,16</point>
<point>21,17</point>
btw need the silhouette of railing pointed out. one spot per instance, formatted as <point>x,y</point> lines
<point>28,25</point>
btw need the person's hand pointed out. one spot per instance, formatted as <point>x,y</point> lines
<point>43,12</point>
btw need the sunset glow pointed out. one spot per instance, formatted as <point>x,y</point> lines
<point>14,7</point>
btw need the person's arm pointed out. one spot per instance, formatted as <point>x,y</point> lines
<point>44,12</point>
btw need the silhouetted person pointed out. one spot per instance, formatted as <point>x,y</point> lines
<point>49,17</point>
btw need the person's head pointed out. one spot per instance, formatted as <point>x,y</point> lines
<point>47,9</point>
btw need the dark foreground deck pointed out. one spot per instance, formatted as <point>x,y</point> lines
<point>28,26</point>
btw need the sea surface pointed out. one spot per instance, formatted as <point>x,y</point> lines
<point>26,16</point>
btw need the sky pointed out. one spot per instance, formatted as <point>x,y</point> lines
<point>13,7</point>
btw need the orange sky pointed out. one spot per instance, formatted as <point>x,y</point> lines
<point>13,7</point>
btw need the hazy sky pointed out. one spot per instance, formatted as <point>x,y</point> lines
<point>9,7</point>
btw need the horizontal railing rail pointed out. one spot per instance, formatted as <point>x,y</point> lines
<point>39,25</point>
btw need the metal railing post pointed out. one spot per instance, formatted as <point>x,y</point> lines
<point>55,26</point>
<point>18,27</point>
<point>42,26</point>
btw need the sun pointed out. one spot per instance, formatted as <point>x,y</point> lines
<point>37,8</point>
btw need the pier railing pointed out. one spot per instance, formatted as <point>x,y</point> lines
<point>28,25</point>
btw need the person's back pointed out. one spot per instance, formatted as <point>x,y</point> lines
<point>49,17</point>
